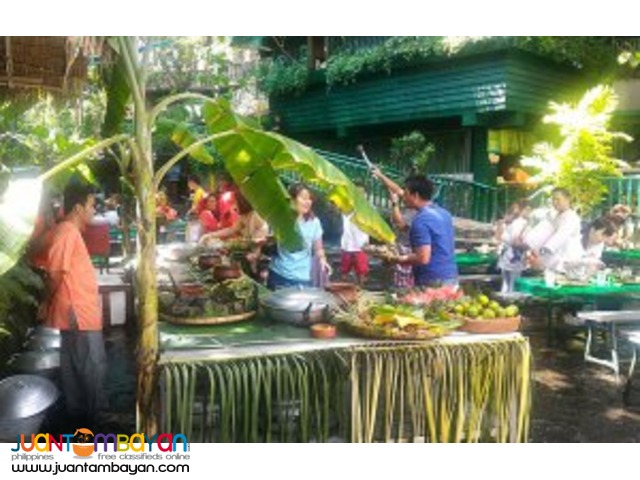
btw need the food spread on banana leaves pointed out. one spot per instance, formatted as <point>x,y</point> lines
<point>402,318</point>
<point>230,297</point>
<point>420,313</point>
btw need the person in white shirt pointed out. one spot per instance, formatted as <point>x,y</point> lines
<point>510,234</point>
<point>352,241</point>
<point>596,236</point>
<point>562,239</point>
<point>111,211</point>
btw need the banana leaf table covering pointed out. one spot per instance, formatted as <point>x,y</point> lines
<point>261,382</point>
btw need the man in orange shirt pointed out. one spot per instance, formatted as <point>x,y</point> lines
<point>74,309</point>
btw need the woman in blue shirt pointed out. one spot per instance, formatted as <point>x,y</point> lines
<point>290,269</point>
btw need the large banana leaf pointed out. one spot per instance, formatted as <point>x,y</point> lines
<point>19,205</point>
<point>254,159</point>
<point>183,137</point>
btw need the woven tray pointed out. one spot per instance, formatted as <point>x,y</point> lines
<point>209,320</point>
<point>495,325</point>
<point>370,332</point>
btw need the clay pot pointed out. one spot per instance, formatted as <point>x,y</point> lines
<point>191,290</point>
<point>323,330</point>
<point>206,261</point>
<point>225,272</point>
<point>345,292</point>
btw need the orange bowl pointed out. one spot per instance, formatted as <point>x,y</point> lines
<point>323,330</point>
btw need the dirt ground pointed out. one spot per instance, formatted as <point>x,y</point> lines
<point>574,401</point>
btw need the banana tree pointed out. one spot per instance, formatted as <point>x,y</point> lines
<point>253,157</point>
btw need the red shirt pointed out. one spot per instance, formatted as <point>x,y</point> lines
<point>77,293</point>
<point>208,221</point>
<point>226,201</point>
<point>227,210</point>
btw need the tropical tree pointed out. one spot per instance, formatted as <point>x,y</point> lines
<point>582,159</point>
<point>253,157</point>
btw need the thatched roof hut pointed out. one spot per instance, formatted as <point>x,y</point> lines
<point>49,63</point>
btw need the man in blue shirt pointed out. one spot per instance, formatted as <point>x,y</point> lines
<point>431,236</point>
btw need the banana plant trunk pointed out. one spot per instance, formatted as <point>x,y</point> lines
<point>147,294</point>
<point>146,282</point>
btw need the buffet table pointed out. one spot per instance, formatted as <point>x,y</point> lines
<point>561,294</point>
<point>626,257</point>
<point>475,260</point>
<point>258,381</point>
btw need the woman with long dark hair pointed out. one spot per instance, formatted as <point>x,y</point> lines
<point>289,269</point>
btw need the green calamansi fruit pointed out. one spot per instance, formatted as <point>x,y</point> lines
<point>488,314</point>
<point>494,305</point>
<point>483,300</point>
<point>472,312</point>
<point>459,309</point>
<point>511,311</point>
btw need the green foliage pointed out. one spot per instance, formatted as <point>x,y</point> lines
<point>178,64</point>
<point>278,76</point>
<point>118,98</point>
<point>346,65</point>
<point>411,149</point>
<point>582,158</point>
<point>20,291</point>
<point>631,58</point>
<point>46,130</point>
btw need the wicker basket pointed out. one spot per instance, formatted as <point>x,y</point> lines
<point>495,325</point>
<point>209,320</point>
<point>366,331</point>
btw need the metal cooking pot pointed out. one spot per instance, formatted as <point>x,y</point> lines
<point>41,330</point>
<point>300,306</point>
<point>24,400</point>
<point>42,362</point>
<point>177,252</point>
<point>44,342</point>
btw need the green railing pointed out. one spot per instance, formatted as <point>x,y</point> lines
<point>467,199</point>
<point>462,198</point>
<point>473,200</point>
<point>623,190</point>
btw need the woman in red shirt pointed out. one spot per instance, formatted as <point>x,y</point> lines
<point>208,216</point>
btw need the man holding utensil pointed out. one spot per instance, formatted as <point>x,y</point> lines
<point>431,234</point>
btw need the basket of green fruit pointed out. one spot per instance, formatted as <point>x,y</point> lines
<point>482,315</point>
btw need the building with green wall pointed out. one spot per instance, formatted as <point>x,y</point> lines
<point>481,100</point>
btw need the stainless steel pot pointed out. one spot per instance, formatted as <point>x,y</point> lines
<point>41,330</point>
<point>300,306</point>
<point>44,342</point>
<point>177,252</point>
<point>24,400</point>
<point>40,362</point>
